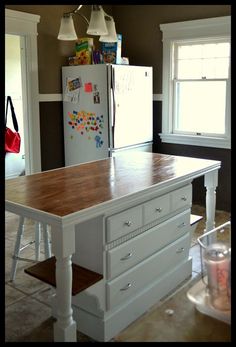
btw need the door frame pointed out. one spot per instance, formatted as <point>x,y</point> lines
<point>25,24</point>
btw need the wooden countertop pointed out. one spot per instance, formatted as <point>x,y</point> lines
<point>71,189</point>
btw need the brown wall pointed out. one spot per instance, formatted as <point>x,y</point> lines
<point>142,43</point>
<point>142,38</point>
<point>51,124</point>
<point>139,25</point>
<point>53,53</point>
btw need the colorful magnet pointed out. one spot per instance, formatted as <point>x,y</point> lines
<point>74,84</point>
<point>88,88</point>
<point>85,123</point>
<point>99,141</point>
<point>96,98</point>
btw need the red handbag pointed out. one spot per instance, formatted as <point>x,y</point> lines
<point>12,138</point>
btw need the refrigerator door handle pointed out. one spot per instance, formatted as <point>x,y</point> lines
<point>113,107</point>
<point>113,99</point>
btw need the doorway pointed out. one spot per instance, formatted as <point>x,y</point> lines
<point>22,27</point>
<point>15,163</point>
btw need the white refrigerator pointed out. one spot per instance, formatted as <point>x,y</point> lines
<point>107,110</point>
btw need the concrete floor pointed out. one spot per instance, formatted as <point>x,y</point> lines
<point>174,318</point>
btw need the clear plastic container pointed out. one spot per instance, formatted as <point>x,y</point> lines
<point>199,295</point>
<point>212,294</point>
<point>217,259</point>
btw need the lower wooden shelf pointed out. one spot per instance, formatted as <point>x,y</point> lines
<point>82,278</point>
<point>194,218</point>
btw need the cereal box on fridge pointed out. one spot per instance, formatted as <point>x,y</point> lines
<point>83,50</point>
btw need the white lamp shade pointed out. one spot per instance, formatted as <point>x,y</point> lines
<point>111,36</point>
<point>97,24</point>
<point>67,29</point>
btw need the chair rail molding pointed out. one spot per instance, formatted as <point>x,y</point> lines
<point>59,97</point>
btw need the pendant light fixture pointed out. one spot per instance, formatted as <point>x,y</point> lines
<point>100,24</point>
<point>111,36</point>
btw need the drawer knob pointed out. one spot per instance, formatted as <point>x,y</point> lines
<point>184,198</point>
<point>158,209</point>
<point>128,223</point>
<point>182,225</point>
<point>127,256</point>
<point>180,250</point>
<point>126,287</point>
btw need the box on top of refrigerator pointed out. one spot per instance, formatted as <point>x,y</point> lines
<point>111,51</point>
<point>83,50</point>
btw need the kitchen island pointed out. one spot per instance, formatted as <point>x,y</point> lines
<point>126,218</point>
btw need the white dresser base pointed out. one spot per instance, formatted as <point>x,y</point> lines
<point>101,329</point>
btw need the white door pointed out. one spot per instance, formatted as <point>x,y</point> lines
<point>14,81</point>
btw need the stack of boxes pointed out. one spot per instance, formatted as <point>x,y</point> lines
<point>86,54</point>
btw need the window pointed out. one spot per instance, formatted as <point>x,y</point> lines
<point>196,82</point>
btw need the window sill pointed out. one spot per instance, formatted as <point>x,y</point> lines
<point>203,141</point>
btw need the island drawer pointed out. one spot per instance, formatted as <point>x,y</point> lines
<point>123,223</point>
<point>181,198</point>
<point>130,253</point>
<point>146,272</point>
<point>156,208</point>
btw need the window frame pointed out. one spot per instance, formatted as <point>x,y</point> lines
<point>202,30</point>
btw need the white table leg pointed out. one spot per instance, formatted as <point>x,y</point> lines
<point>210,182</point>
<point>17,248</point>
<point>47,248</point>
<point>63,245</point>
<point>37,240</point>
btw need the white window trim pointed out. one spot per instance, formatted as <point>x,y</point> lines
<point>25,24</point>
<point>201,28</point>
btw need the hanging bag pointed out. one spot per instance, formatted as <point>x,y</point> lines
<point>12,138</point>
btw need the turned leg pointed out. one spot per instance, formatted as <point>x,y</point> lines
<point>210,182</point>
<point>37,240</point>
<point>63,245</point>
<point>47,248</point>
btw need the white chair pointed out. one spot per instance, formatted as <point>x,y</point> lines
<point>18,248</point>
